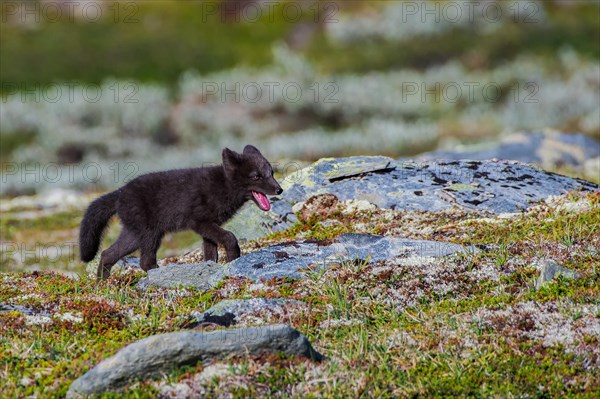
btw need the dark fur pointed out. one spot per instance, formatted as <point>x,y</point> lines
<point>198,199</point>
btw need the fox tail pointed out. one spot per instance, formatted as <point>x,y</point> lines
<point>93,224</point>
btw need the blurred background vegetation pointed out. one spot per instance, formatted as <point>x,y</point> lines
<point>156,64</point>
<point>157,41</point>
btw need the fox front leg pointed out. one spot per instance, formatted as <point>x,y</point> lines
<point>216,234</point>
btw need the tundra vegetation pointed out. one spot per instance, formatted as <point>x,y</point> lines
<point>474,324</point>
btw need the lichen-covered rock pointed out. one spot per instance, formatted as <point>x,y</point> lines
<point>159,354</point>
<point>294,259</point>
<point>495,186</point>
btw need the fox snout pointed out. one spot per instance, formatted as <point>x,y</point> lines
<point>275,188</point>
<point>278,189</point>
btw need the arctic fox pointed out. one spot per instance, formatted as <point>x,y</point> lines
<point>198,199</point>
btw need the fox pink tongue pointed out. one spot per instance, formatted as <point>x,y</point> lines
<point>262,200</point>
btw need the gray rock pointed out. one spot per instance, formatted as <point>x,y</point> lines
<point>548,149</point>
<point>124,264</point>
<point>294,259</point>
<point>228,312</point>
<point>550,269</point>
<point>251,223</point>
<point>158,354</point>
<point>200,275</point>
<point>495,186</point>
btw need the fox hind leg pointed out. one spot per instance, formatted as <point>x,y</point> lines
<point>148,249</point>
<point>210,250</point>
<point>125,244</point>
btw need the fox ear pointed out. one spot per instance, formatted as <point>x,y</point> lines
<point>250,149</point>
<point>230,160</point>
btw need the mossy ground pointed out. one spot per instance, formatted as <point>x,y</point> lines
<point>467,326</point>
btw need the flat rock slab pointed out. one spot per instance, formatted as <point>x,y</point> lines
<point>494,186</point>
<point>228,312</point>
<point>203,276</point>
<point>158,354</point>
<point>294,259</point>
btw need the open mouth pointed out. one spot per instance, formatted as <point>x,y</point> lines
<point>261,200</point>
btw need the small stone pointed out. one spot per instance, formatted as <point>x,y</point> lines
<point>25,381</point>
<point>360,227</point>
<point>352,206</point>
<point>550,269</point>
<point>298,206</point>
<point>461,187</point>
<point>37,320</point>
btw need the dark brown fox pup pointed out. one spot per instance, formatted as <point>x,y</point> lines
<point>200,199</point>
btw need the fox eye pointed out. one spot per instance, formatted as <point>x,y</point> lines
<point>256,177</point>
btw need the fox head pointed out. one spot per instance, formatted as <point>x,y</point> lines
<point>252,173</point>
